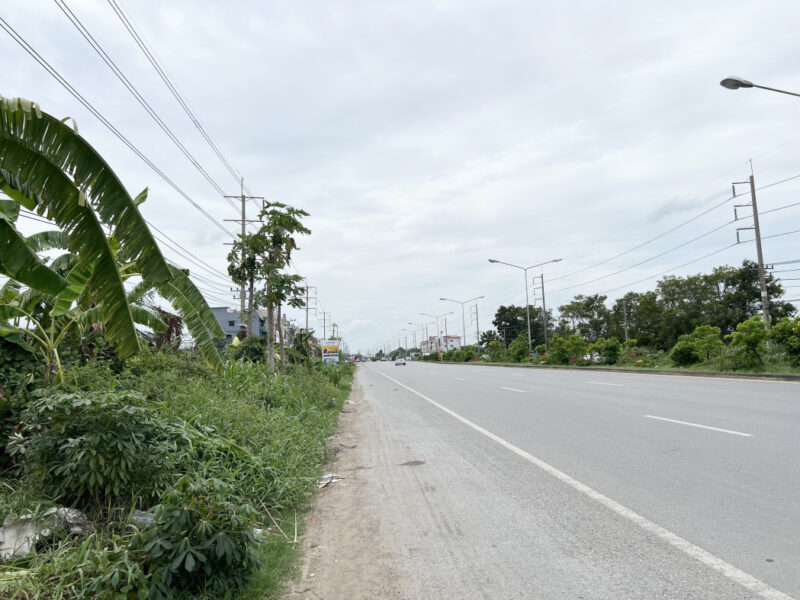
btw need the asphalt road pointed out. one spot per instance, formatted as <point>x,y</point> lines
<point>518,483</point>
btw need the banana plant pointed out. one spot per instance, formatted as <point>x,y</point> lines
<point>47,167</point>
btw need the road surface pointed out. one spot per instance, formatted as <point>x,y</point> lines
<point>484,482</point>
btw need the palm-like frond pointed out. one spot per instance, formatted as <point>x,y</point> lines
<point>48,240</point>
<point>194,310</point>
<point>149,318</point>
<point>36,178</point>
<point>19,262</point>
<point>27,132</point>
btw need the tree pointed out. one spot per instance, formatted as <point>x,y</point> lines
<point>488,336</point>
<point>511,321</point>
<point>609,350</point>
<point>750,338</point>
<point>518,349</point>
<point>282,223</point>
<point>588,316</point>
<point>787,333</point>
<point>706,341</point>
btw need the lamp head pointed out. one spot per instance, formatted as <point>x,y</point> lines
<point>491,260</point>
<point>734,83</point>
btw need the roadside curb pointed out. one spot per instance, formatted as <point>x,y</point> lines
<point>711,374</point>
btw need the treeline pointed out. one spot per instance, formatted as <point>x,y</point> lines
<point>658,318</point>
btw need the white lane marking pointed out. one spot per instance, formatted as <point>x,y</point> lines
<point>735,574</point>
<point>502,387</point>
<point>604,383</point>
<point>698,425</point>
<point>431,373</point>
<point>519,375</point>
<point>458,378</point>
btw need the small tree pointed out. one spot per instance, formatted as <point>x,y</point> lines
<point>683,354</point>
<point>518,349</point>
<point>706,341</point>
<point>609,350</point>
<point>750,338</point>
<point>496,350</point>
<point>787,333</point>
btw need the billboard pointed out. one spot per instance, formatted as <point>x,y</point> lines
<point>330,351</point>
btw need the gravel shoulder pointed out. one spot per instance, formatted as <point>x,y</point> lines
<point>342,555</point>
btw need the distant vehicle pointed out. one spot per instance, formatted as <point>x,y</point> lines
<point>400,360</point>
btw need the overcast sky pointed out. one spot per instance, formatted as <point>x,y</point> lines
<point>426,137</point>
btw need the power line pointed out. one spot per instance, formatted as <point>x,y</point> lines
<point>88,105</point>
<point>142,44</point>
<point>136,94</point>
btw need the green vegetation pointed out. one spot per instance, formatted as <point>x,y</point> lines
<point>181,469</point>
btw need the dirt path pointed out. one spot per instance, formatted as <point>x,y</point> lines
<point>344,555</point>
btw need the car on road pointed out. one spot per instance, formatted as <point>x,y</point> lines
<point>400,360</point>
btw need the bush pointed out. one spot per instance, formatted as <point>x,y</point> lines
<point>496,351</point>
<point>253,349</point>
<point>569,350</point>
<point>683,354</point>
<point>749,342</point>
<point>201,540</point>
<point>96,448</point>
<point>787,333</point>
<point>609,350</point>
<point>518,349</point>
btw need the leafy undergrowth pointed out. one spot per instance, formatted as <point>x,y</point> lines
<point>222,461</point>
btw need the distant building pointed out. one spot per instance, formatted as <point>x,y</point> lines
<point>443,343</point>
<point>231,323</point>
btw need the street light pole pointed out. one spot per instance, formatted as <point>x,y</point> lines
<point>527,301</point>
<point>734,83</point>
<point>463,319</point>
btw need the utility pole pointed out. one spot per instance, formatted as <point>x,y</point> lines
<point>324,337</point>
<point>477,327</point>
<point>762,278</point>
<point>244,223</point>
<point>625,314</point>
<point>544,313</point>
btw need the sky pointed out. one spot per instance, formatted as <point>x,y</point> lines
<point>425,137</point>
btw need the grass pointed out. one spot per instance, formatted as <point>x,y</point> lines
<point>266,436</point>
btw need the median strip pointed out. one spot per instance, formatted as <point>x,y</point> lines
<point>699,426</point>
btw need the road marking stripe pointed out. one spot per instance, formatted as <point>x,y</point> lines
<point>458,378</point>
<point>698,425</point>
<point>604,383</point>
<point>512,389</point>
<point>519,374</point>
<point>735,574</point>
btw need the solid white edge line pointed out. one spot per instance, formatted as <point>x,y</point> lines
<point>735,574</point>
<point>502,387</point>
<point>604,383</point>
<point>458,378</point>
<point>731,431</point>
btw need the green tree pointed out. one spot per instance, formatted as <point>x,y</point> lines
<point>750,338</point>
<point>609,350</point>
<point>706,341</point>
<point>489,336</point>
<point>495,350</point>
<point>787,333</point>
<point>587,315</point>
<point>518,349</point>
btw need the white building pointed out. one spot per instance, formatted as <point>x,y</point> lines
<point>442,343</point>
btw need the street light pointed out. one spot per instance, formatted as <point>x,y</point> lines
<point>734,83</point>
<point>437,317</point>
<point>527,302</point>
<point>463,322</point>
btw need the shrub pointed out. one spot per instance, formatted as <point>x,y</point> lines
<point>564,351</point>
<point>201,540</point>
<point>252,348</point>
<point>706,341</point>
<point>96,447</point>
<point>749,341</point>
<point>496,351</point>
<point>609,350</point>
<point>683,354</point>
<point>787,333</point>
<point>518,349</point>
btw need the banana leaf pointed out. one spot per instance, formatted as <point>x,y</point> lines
<point>26,132</point>
<point>19,262</point>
